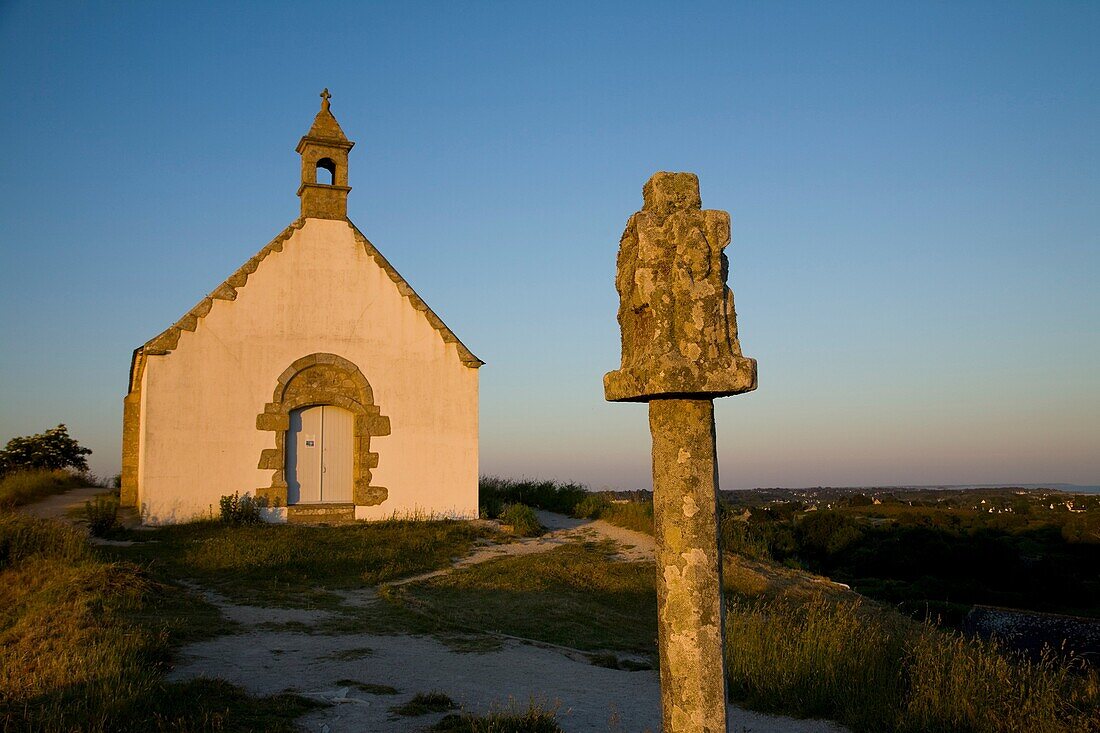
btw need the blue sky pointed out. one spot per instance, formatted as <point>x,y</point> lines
<point>914,191</point>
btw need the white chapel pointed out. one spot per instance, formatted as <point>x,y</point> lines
<point>314,378</point>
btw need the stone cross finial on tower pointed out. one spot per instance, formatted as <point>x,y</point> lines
<point>679,351</point>
<point>324,150</point>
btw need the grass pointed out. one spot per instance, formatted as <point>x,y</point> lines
<point>27,487</point>
<point>299,566</point>
<point>84,641</point>
<point>635,515</point>
<point>875,670</point>
<point>423,703</point>
<point>574,596</point>
<point>533,720</point>
<point>84,644</point>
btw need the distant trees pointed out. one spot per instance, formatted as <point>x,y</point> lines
<point>826,533</point>
<point>50,450</point>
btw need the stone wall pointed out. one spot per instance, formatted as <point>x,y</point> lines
<point>1029,631</point>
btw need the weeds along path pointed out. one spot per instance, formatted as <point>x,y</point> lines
<point>562,530</point>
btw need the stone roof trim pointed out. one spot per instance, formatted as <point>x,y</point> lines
<point>167,341</point>
<point>464,354</point>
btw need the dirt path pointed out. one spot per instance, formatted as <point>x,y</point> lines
<point>68,507</point>
<point>586,698</point>
<point>58,506</point>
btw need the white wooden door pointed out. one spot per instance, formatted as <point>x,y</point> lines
<point>337,439</point>
<point>303,456</point>
<point>319,455</point>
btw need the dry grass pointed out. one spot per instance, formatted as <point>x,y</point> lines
<point>635,515</point>
<point>962,684</point>
<point>535,719</point>
<point>874,670</point>
<point>26,487</point>
<point>83,644</point>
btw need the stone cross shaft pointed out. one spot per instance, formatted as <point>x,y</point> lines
<point>680,351</point>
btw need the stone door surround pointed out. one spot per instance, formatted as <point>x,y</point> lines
<point>323,379</point>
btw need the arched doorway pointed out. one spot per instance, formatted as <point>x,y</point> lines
<point>331,383</point>
<point>319,455</point>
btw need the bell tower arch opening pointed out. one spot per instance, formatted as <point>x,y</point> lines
<point>326,172</point>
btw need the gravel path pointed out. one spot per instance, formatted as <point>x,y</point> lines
<point>586,698</point>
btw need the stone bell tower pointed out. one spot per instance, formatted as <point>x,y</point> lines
<point>324,151</point>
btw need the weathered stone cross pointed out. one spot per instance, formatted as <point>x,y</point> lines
<point>680,351</point>
<point>325,96</point>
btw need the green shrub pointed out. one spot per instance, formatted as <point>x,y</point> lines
<point>239,510</point>
<point>521,518</point>
<point>742,538</point>
<point>496,493</point>
<point>102,515</point>
<point>591,506</point>
<point>24,487</point>
<point>826,533</point>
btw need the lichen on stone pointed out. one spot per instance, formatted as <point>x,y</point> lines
<point>676,312</point>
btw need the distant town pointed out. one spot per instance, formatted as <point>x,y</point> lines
<point>989,499</point>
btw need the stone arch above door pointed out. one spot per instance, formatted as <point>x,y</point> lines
<point>323,379</point>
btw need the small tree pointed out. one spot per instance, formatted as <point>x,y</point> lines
<point>53,449</point>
